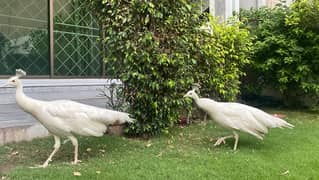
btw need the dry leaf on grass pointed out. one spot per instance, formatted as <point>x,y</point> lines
<point>98,172</point>
<point>102,150</point>
<point>285,173</point>
<point>160,154</point>
<point>14,153</point>
<point>169,142</point>
<point>76,173</point>
<point>111,162</point>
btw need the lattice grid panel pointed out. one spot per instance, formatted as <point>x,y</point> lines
<point>23,37</point>
<point>77,51</point>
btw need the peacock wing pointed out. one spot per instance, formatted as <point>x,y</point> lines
<point>267,119</point>
<point>240,118</point>
<point>76,117</point>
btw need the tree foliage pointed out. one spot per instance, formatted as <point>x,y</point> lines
<point>285,53</point>
<point>225,54</point>
<point>159,49</point>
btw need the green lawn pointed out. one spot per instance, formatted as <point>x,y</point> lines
<point>186,153</point>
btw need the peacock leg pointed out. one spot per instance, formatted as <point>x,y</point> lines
<point>236,136</point>
<point>57,144</point>
<point>222,140</point>
<point>75,144</point>
<point>205,116</point>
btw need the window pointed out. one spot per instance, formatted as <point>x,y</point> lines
<point>76,50</point>
<point>25,39</point>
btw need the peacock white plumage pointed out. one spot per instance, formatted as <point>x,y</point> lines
<point>65,118</point>
<point>238,117</point>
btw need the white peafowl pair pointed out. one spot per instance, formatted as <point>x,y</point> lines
<point>238,117</point>
<point>65,118</point>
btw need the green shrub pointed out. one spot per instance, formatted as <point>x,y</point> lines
<point>304,24</point>
<point>285,51</point>
<point>159,49</point>
<point>225,54</point>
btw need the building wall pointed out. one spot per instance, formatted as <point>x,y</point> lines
<point>247,4</point>
<point>225,8</point>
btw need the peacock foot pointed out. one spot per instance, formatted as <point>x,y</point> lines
<point>220,141</point>
<point>76,162</point>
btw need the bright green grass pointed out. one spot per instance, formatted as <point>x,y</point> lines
<point>187,153</point>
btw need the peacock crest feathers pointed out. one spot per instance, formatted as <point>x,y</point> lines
<point>20,73</point>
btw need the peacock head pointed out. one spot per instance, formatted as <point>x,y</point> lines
<point>14,80</point>
<point>191,94</point>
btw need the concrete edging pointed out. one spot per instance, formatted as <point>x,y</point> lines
<point>22,133</point>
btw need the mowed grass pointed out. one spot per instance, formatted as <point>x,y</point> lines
<point>185,153</point>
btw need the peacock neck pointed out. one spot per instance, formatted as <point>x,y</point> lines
<point>208,105</point>
<point>196,98</point>
<point>26,103</point>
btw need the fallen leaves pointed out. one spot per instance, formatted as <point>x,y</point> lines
<point>148,144</point>
<point>160,154</point>
<point>102,150</point>
<point>14,153</point>
<point>77,173</point>
<point>111,162</point>
<point>285,173</point>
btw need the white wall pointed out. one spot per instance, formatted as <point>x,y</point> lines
<point>247,4</point>
<point>225,8</point>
